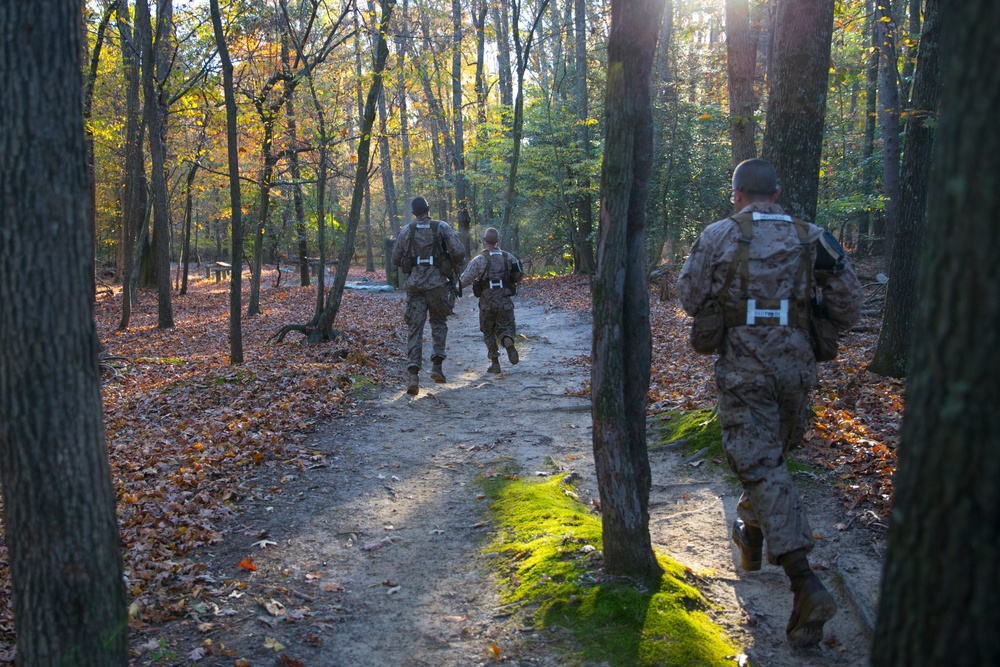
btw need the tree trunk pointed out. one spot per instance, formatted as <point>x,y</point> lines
<point>584,205</point>
<point>264,209</point>
<point>505,83</point>
<point>133,208</point>
<point>404,123</point>
<point>892,353</point>
<point>458,157</point>
<point>741,56</point>
<point>865,217</point>
<point>796,106</point>
<point>910,50</point>
<point>295,170</point>
<point>233,150</point>
<point>154,69</point>
<point>388,182</point>
<point>88,107</point>
<point>324,329</point>
<point>622,347</point>
<point>941,578</point>
<point>508,236</point>
<point>58,501</point>
<point>185,249</point>
<point>888,102</point>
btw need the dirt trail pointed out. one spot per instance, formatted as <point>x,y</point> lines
<point>371,558</point>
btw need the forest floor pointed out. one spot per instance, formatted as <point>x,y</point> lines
<point>370,555</point>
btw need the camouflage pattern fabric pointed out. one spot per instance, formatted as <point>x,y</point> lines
<point>425,276</point>
<point>439,303</point>
<point>764,373</point>
<point>496,310</point>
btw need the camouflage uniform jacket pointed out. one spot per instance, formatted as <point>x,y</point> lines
<point>774,258</point>
<point>426,274</point>
<point>490,265</point>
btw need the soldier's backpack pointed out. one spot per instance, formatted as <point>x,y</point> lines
<point>717,315</point>
<point>512,273</point>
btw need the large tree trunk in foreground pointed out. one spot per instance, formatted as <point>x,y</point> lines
<point>892,353</point>
<point>58,501</point>
<point>941,579</point>
<point>796,107</point>
<point>622,347</point>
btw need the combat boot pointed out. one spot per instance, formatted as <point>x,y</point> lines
<point>512,354</point>
<point>749,539</point>
<point>414,386</point>
<point>494,367</point>
<point>436,373</point>
<point>813,605</point>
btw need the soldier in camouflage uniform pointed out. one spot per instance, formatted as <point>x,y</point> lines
<point>764,371</point>
<point>494,275</point>
<point>420,251</point>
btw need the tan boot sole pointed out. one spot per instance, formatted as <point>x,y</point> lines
<point>807,630</point>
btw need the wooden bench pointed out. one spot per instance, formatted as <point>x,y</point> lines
<point>220,269</point>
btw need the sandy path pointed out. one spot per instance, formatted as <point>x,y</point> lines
<point>372,557</point>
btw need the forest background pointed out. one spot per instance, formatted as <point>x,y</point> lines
<point>492,111</point>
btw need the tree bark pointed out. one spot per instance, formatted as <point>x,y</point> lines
<point>892,353</point>
<point>388,182</point>
<point>585,205</point>
<point>865,217</point>
<point>622,347</point>
<point>233,150</point>
<point>941,579</point>
<point>88,107</point>
<point>458,157</point>
<point>796,107</point>
<point>888,103</point>
<point>186,247</point>
<point>155,59</point>
<point>741,58</point>
<point>58,500</point>
<point>294,168</point>
<point>133,208</point>
<point>404,123</point>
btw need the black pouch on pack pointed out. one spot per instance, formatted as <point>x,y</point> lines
<point>708,328</point>
<point>823,333</point>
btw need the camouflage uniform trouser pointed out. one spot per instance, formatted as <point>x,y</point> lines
<point>496,320</point>
<point>763,418</point>
<point>439,303</point>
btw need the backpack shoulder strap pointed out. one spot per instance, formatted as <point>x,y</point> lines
<point>742,256</point>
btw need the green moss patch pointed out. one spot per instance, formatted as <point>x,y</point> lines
<point>548,547</point>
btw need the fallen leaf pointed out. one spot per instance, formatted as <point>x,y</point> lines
<point>455,619</point>
<point>274,608</point>
<point>274,644</point>
<point>263,543</point>
<point>206,627</point>
<point>288,661</point>
<point>493,651</point>
<point>312,639</point>
<point>333,587</point>
<point>247,564</point>
<point>241,662</point>
<point>314,575</point>
<point>196,654</point>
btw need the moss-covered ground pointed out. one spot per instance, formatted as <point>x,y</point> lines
<point>548,560</point>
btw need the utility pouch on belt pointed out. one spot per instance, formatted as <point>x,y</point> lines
<point>823,333</point>
<point>708,328</point>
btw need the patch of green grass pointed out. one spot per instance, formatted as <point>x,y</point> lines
<point>548,547</point>
<point>700,429</point>
<point>362,386</point>
<point>697,429</point>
